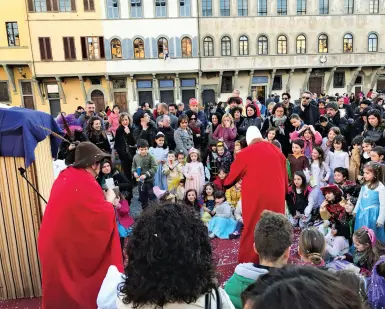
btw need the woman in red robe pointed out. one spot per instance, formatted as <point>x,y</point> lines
<point>78,239</point>
<point>262,168</point>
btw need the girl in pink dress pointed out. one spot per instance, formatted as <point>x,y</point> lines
<point>194,172</point>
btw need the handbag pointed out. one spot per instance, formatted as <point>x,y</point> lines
<point>208,299</point>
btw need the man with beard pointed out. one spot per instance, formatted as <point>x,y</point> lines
<point>336,119</point>
<point>288,105</point>
<point>163,110</point>
<point>308,112</point>
<point>78,239</point>
<point>264,185</point>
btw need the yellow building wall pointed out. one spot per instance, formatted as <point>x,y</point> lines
<point>14,11</point>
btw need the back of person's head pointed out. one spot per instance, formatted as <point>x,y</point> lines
<point>354,282</point>
<point>273,236</point>
<point>293,287</point>
<point>169,258</point>
<point>311,245</point>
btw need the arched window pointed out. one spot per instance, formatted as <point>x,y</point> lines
<point>139,49</point>
<point>226,46</point>
<point>282,45</point>
<point>348,43</point>
<point>116,49</point>
<point>208,46</point>
<point>263,45</point>
<point>301,44</point>
<point>243,46</point>
<point>186,47</point>
<point>372,42</point>
<point>323,44</point>
<point>162,47</point>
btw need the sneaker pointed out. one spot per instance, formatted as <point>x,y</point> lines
<point>212,235</point>
<point>234,235</point>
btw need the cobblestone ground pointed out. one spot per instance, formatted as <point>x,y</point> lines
<point>135,207</point>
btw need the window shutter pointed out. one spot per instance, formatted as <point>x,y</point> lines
<point>171,47</point>
<point>84,47</point>
<point>48,48</point>
<point>147,50</point>
<point>72,48</point>
<point>125,49</point>
<point>92,5</point>
<point>73,5</point>
<point>101,47</point>
<point>195,47</point>
<point>130,45</point>
<point>30,6</point>
<point>42,48</point>
<point>107,49</point>
<point>66,48</point>
<point>154,48</point>
<point>178,47</point>
<point>55,6</point>
<point>86,6</point>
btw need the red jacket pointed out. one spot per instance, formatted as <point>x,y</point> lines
<point>262,168</point>
<point>78,241</point>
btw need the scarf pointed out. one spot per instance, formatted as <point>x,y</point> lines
<point>279,123</point>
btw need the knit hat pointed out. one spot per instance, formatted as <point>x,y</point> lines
<point>252,133</point>
<point>87,153</point>
<point>193,101</point>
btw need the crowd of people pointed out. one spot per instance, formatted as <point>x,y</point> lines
<point>334,150</point>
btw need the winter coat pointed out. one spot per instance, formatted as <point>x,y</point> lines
<point>228,135</point>
<point>148,134</point>
<point>101,141</point>
<point>123,214</point>
<point>210,131</point>
<point>307,144</point>
<point>69,155</point>
<point>247,122</point>
<point>148,165</point>
<point>291,199</point>
<point>376,134</point>
<point>169,136</point>
<point>309,116</point>
<point>340,122</point>
<point>323,130</point>
<point>184,140</point>
<point>224,161</point>
<point>244,275</point>
<point>113,120</point>
<point>83,119</point>
<point>122,143</point>
<point>354,165</point>
<point>120,180</point>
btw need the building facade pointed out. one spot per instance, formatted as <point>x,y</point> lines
<point>56,54</point>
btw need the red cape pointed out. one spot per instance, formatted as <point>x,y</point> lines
<point>262,168</point>
<point>78,241</point>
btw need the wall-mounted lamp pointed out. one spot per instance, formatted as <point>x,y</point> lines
<point>24,75</point>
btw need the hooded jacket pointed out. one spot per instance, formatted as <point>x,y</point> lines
<point>244,275</point>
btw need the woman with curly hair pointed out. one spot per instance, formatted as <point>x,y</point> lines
<point>170,264</point>
<point>97,135</point>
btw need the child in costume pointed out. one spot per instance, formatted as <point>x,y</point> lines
<point>355,158</point>
<point>370,207</point>
<point>332,209</point>
<point>180,191</point>
<point>208,201</point>
<point>376,286</point>
<point>298,161</point>
<point>223,223</point>
<point>337,156</point>
<point>194,172</point>
<point>159,152</point>
<point>233,195</point>
<point>173,171</point>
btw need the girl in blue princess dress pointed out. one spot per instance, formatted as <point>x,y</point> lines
<point>160,152</point>
<point>370,207</point>
<point>223,223</point>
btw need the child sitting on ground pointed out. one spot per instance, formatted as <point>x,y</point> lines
<point>332,209</point>
<point>273,237</point>
<point>180,191</point>
<point>311,247</point>
<point>208,201</point>
<point>223,223</point>
<point>239,219</point>
<point>233,195</point>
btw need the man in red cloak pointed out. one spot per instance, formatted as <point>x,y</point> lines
<point>262,168</point>
<point>78,239</point>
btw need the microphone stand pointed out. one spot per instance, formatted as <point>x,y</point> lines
<point>22,174</point>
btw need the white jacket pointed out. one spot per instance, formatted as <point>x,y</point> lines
<point>108,297</point>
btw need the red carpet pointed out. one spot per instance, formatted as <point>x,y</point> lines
<point>225,256</point>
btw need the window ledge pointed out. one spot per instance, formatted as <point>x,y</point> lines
<point>14,47</point>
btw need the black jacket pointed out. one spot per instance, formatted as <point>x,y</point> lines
<point>120,180</point>
<point>169,135</point>
<point>340,122</point>
<point>349,112</point>
<point>123,142</point>
<point>69,155</point>
<point>247,122</point>
<point>309,116</point>
<point>323,130</point>
<point>101,141</point>
<point>148,134</point>
<point>356,128</point>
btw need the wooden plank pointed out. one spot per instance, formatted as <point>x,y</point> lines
<point>7,286</point>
